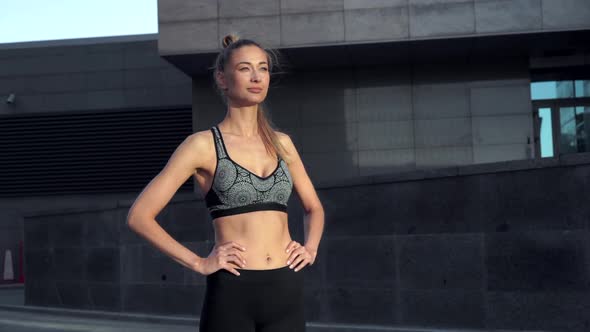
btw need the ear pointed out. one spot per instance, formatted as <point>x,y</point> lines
<point>220,77</point>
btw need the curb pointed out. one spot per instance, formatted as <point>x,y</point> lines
<point>10,286</point>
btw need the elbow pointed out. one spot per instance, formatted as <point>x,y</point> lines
<point>319,209</point>
<point>315,209</point>
<point>133,221</point>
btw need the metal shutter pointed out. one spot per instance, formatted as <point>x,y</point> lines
<point>88,152</point>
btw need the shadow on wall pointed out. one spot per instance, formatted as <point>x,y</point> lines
<point>369,121</point>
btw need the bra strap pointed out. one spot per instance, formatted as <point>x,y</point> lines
<point>221,153</point>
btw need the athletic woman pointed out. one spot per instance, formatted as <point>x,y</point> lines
<point>254,273</point>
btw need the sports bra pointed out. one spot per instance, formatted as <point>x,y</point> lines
<point>236,190</point>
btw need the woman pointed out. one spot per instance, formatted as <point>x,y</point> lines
<point>248,171</point>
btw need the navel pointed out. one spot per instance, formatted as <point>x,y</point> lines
<point>268,259</point>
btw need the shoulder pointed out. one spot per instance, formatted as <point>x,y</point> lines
<point>289,147</point>
<point>201,139</point>
<point>284,138</point>
<point>198,147</point>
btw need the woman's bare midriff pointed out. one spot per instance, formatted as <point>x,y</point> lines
<point>265,234</point>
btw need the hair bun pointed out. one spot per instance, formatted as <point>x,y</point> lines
<point>229,39</point>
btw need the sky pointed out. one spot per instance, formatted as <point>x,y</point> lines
<point>40,20</point>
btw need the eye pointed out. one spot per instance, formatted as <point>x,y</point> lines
<point>242,69</point>
<point>264,68</point>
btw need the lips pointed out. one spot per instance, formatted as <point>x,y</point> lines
<point>255,89</point>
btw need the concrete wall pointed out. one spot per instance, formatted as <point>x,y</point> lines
<point>111,74</point>
<point>501,246</point>
<point>75,76</point>
<point>189,26</point>
<point>365,121</point>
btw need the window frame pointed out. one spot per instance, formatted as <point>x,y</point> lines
<point>554,105</point>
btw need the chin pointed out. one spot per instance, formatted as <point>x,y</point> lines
<point>256,100</point>
<point>251,102</point>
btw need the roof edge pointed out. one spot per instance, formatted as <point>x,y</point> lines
<point>79,41</point>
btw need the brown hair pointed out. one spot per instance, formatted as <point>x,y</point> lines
<point>266,128</point>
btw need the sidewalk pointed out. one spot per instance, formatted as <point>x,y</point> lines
<point>20,319</point>
<point>12,294</point>
<point>14,316</point>
<point>38,319</point>
<point>28,318</point>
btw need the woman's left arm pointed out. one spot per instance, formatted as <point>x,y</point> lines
<point>314,211</point>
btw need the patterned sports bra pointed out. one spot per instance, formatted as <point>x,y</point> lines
<point>236,190</point>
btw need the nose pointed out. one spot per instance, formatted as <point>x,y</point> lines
<point>255,76</point>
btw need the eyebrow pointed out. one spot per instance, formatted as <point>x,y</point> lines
<point>260,63</point>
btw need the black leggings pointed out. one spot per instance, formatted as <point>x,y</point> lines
<point>255,301</point>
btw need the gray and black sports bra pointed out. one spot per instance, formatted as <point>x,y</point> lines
<point>236,190</point>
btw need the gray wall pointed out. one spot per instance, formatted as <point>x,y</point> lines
<point>365,121</point>
<point>111,73</point>
<point>75,76</point>
<point>189,26</point>
<point>502,246</point>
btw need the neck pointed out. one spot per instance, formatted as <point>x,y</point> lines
<point>241,121</point>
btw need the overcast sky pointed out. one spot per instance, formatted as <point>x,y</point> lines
<point>35,20</point>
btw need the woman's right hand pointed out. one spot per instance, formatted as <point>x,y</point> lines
<point>224,256</point>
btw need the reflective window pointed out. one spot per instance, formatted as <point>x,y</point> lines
<point>582,88</point>
<point>574,134</point>
<point>562,116</point>
<point>552,90</point>
<point>546,134</point>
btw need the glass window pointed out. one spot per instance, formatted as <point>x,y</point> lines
<point>582,88</point>
<point>552,90</point>
<point>574,134</point>
<point>546,134</point>
<point>561,116</point>
<point>567,122</point>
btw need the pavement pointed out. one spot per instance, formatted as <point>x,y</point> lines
<point>12,295</point>
<point>38,319</point>
<point>27,321</point>
<point>17,317</point>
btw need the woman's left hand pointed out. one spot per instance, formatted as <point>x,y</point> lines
<point>299,256</point>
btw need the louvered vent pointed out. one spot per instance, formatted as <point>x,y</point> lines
<point>88,152</point>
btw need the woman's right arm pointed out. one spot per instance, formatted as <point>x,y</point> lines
<point>187,157</point>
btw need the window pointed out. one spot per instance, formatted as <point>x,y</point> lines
<point>561,117</point>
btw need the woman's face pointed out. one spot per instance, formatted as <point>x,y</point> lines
<point>246,76</point>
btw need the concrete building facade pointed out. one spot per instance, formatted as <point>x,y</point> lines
<point>381,86</point>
